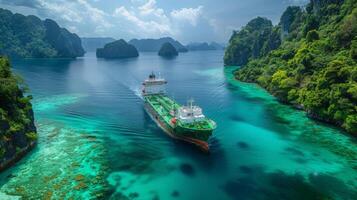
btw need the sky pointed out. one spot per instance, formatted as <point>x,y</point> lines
<point>185,20</point>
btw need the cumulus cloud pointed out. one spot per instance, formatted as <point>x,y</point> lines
<point>79,11</point>
<point>148,20</point>
<point>140,25</point>
<point>190,15</point>
<point>70,13</point>
<point>141,18</point>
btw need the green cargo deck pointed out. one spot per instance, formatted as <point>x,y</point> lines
<point>162,104</point>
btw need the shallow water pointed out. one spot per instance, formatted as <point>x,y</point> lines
<point>96,141</point>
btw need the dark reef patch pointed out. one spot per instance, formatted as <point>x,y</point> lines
<point>258,184</point>
<point>236,118</point>
<point>331,185</point>
<point>134,195</point>
<point>243,145</point>
<point>187,169</point>
<point>246,169</point>
<point>301,160</point>
<point>156,197</point>
<point>175,193</point>
<point>134,160</point>
<point>279,119</point>
<point>256,99</point>
<point>231,87</point>
<point>294,151</point>
<point>240,189</point>
<point>215,159</point>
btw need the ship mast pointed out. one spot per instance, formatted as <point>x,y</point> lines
<point>190,103</point>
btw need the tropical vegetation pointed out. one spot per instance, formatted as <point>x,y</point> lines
<point>117,49</point>
<point>17,129</point>
<point>30,37</point>
<point>309,59</point>
<point>168,50</point>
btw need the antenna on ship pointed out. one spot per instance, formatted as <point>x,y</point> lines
<point>152,75</point>
<point>190,103</point>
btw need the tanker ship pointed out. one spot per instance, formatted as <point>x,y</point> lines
<point>186,123</point>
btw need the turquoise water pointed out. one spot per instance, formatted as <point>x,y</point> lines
<point>97,142</point>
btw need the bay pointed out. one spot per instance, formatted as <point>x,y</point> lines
<point>96,141</point>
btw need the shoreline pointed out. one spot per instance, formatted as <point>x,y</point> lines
<point>309,114</point>
<point>17,157</point>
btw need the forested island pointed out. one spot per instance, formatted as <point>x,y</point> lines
<point>204,46</point>
<point>154,45</point>
<point>117,49</point>
<point>168,50</point>
<point>17,129</point>
<point>308,60</point>
<point>30,37</point>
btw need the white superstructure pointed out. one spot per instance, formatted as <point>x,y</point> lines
<point>190,113</point>
<point>154,85</point>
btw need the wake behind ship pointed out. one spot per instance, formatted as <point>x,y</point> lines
<point>185,123</point>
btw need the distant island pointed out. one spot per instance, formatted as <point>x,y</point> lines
<point>168,50</point>
<point>308,60</point>
<point>91,44</point>
<point>17,128</point>
<point>30,37</point>
<point>154,45</point>
<point>204,46</point>
<point>117,50</point>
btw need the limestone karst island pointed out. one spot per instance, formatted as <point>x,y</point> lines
<point>178,100</point>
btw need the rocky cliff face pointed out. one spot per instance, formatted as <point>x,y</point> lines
<point>67,44</point>
<point>256,39</point>
<point>290,20</point>
<point>17,129</point>
<point>29,37</point>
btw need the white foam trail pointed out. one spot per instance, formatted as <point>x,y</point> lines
<point>137,91</point>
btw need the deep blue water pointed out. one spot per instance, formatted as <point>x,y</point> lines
<point>96,141</point>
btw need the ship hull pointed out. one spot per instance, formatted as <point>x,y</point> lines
<point>179,133</point>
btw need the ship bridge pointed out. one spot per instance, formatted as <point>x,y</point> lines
<point>154,85</point>
<point>189,114</point>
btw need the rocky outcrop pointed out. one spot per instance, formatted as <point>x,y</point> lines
<point>67,44</point>
<point>168,50</point>
<point>117,50</point>
<point>290,20</point>
<point>30,37</point>
<point>17,129</point>
<point>254,40</point>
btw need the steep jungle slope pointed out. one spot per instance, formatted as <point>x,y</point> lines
<point>29,37</point>
<point>17,129</point>
<point>314,67</point>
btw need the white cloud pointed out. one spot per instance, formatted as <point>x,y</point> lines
<point>148,8</point>
<point>62,9</point>
<point>160,26</point>
<point>139,18</point>
<point>72,14</point>
<point>190,15</point>
<point>148,20</point>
